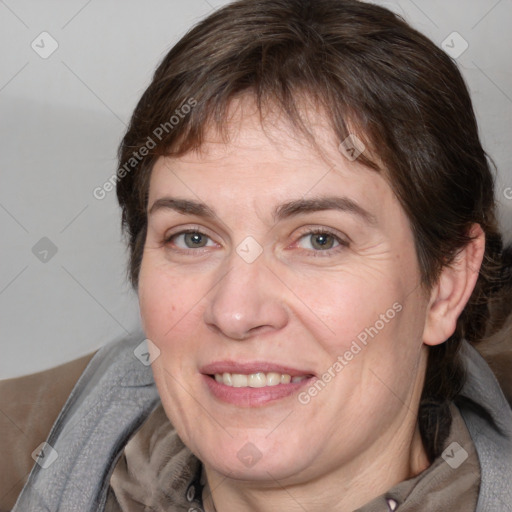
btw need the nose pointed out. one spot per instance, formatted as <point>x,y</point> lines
<point>247,300</point>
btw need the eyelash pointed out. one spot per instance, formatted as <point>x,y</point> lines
<point>343,244</point>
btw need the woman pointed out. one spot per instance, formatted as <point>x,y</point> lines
<point>312,234</point>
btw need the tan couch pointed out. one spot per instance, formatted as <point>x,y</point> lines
<point>28,407</point>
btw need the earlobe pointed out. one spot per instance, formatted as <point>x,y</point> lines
<point>453,289</point>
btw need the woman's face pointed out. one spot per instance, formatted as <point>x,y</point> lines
<point>264,263</point>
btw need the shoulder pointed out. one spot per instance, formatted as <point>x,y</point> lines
<point>110,401</point>
<point>29,405</point>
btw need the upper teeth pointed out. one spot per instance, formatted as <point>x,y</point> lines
<point>255,380</point>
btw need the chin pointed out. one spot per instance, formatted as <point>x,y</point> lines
<point>258,461</point>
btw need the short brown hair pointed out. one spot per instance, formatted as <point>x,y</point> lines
<point>366,68</point>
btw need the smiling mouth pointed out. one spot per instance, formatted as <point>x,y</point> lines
<point>256,380</point>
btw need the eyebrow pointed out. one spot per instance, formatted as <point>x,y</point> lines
<point>283,211</point>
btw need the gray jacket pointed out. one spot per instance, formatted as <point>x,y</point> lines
<point>116,393</point>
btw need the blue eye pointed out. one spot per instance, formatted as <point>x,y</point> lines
<point>190,240</point>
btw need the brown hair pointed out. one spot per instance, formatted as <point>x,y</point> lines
<point>367,69</point>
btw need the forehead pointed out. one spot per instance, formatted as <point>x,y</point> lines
<point>244,127</point>
<point>262,159</point>
<point>252,136</point>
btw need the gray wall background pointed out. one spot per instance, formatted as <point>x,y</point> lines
<point>63,291</point>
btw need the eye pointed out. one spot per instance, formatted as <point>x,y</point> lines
<point>321,240</point>
<point>190,239</point>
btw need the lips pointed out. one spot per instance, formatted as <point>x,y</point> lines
<point>254,383</point>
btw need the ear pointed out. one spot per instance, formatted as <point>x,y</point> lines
<point>453,289</point>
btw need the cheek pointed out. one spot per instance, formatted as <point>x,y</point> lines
<point>348,307</point>
<point>154,303</point>
<point>165,300</point>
